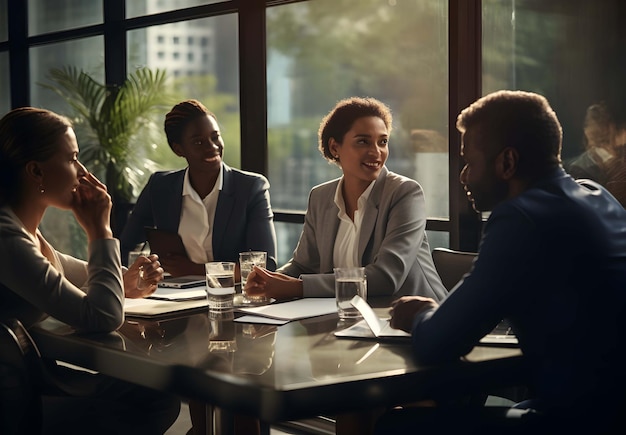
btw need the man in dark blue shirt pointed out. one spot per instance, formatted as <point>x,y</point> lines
<point>552,261</point>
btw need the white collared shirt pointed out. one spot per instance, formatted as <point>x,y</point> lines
<point>196,220</point>
<point>346,249</point>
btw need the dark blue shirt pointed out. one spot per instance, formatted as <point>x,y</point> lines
<point>552,261</point>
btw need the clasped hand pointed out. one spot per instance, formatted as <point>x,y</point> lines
<point>147,271</point>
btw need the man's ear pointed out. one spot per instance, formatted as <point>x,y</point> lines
<point>507,163</point>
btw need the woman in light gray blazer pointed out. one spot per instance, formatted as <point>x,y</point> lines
<point>369,217</point>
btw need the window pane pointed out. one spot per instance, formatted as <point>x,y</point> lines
<point>136,8</point>
<point>60,227</point>
<point>569,51</point>
<point>49,16</point>
<point>325,50</point>
<point>4,25</point>
<point>5,83</point>
<point>77,53</point>
<point>201,60</point>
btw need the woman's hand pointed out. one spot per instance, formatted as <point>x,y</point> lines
<point>273,284</point>
<point>92,207</point>
<point>404,310</point>
<point>142,277</point>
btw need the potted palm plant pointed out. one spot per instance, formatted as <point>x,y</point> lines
<point>112,117</point>
<point>114,124</point>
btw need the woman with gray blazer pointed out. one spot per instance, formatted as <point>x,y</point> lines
<point>369,217</point>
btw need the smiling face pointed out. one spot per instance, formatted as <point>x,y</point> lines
<point>60,174</point>
<point>363,150</point>
<point>483,187</point>
<point>201,144</point>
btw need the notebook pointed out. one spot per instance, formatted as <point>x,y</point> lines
<point>371,326</point>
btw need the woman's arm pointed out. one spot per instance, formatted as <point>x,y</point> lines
<point>260,232</point>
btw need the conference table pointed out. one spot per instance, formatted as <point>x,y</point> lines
<point>274,372</point>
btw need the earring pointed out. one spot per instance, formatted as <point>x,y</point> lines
<point>41,189</point>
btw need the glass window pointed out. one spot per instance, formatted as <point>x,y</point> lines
<point>4,25</point>
<point>215,84</point>
<point>46,16</point>
<point>324,50</point>
<point>76,53</point>
<point>5,84</point>
<point>60,227</point>
<point>571,55</point>
<point>136,8</point>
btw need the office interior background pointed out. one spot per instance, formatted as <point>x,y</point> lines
<point>271,69</point>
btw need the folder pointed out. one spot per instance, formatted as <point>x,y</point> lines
<point>164,242</point>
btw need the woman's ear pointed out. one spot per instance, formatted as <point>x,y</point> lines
<point>333,147</point>
<point>178,149</point>
<point>507,163</point>
<point>34,171</point>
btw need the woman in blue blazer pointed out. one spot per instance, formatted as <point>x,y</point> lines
<point>217,211</point>
<point>369,217</point>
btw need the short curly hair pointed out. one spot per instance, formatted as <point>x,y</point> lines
<point>341,118</point>
<point>519,119</point>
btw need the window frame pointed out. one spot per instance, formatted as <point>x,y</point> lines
<point>464,40</point>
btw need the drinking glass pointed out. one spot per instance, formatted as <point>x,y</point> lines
<point>349,282</point>
<point>220,285</point>
<point>247,261</point>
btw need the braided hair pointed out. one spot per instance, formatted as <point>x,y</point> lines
<point>181,114</point>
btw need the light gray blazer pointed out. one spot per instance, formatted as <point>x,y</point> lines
<point>392,244</point>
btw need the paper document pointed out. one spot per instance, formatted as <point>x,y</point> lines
<point>177,294</point>
<point>371,326</point>
<point>294,310</point>
<point>260,320</point>
<point>147,308</point>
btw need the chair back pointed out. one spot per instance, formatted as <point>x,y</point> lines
<point>452,265</point>
<point>20,363</point>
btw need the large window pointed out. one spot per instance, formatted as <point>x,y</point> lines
<point>271,70</point>
<point>136,8</point>
<point>571,52</point>
<point>199,57</point>
<point>49,16</point>
<point>321,51</point>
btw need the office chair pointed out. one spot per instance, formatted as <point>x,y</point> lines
<point>20,377</point>
<point>452,265</point>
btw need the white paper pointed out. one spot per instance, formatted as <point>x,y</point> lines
<point>371,326</point>
<point>154,307</point>
<point>179,294</point>
<point>294,310</point>
<point>261,320</point>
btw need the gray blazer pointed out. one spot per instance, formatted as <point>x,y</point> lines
<point>392,245</point>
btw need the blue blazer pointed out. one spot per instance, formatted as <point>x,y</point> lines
<point>243,218</point>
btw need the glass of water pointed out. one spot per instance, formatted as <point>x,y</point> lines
<point>220,285</point>
<point>247,261</point>
<point>349,282</point>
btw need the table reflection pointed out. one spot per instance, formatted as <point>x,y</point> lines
<point>212,341</point>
